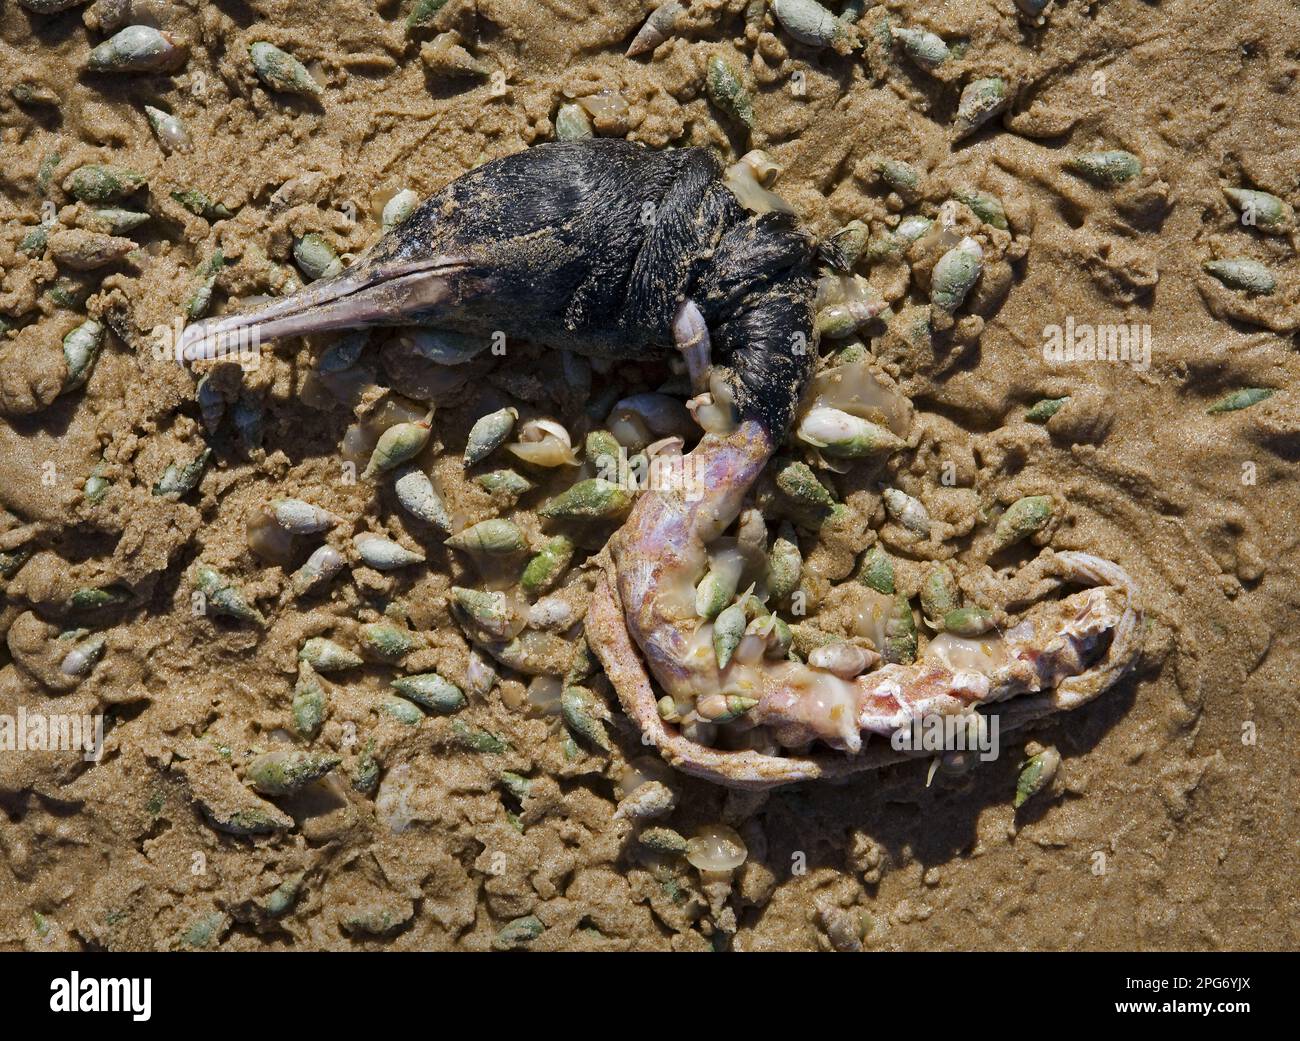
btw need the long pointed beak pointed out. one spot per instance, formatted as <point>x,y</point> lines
<point>393,292</point>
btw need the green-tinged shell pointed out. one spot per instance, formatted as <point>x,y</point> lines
<point>201,204</point>
<point>841,435</point>
<point>724,708</point>
<point>92,598</point>
<point>1240,399</point>
<point>112,220</point>
<point>365,773</point>
<point>69,294</point>
<point>493,537</point>
<point>728,629</point>
<point>846,317</point>
<point>784,564</point>
<point>1022,518</point>
<point>432,691</point>
<point>1243,273</point>
<point>516,784</point>
<point>1036,775</point>
<point>581,710</point>
<point>987,208</point>
<point>250,820</point>
<point>281,71</point>
<point>900,176</point>
<point>1105,169</point>
<point>900,634</point>
<point>224,598</point>
<point>1043,410</point>
<point>423,12</point>
<point>797,481</point>
<point>309,702</point>
<point>102,182</point>
<point>518,933</point>
<point>845,247</point>
<point>876,571</point>
<point>83,250</point>
<point>169,130</point>
<point>592,499</point>
<point>417,495</point>
<point>179,479</point>
<point>980,101</point>
<point>955,275</point>
<point>399,444</point>
<point>939,594</point>
<point>505,483</point>
<point>715,591</point>
<point>908,511</point>
<point>601,449</point>
<point>968,621</point>
<point>201,299</point>
<point>283,897</point>
<point>387,642</point>
<point>546,567</point>
<point>324,655</point>
<point>315,257</point>
<point>231,603</point>
<point>1261,210</point>
<point>398,208</point>
<point>399,709</point>
<point>488,434</point>
<point>583,664</point>
<point>884,246</point>
<point>45,172</point>
<point>780,638</point>
<point>205,931</point>
<point>286,771</point>
<point>811,23</point>
<point>912,228</point>
<point>35,241</point>
<point>572,123</point>
<point>925,48</point>
<point>138,48</point>
<point>80,349</point>
<point>476,740</point>
<point>96,486</point>
<point>384,554</point>
<point>728,92</point>
<point>490,611</point>
<point>662,840</point>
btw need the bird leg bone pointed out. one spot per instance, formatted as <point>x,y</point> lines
<point>692,338</point>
